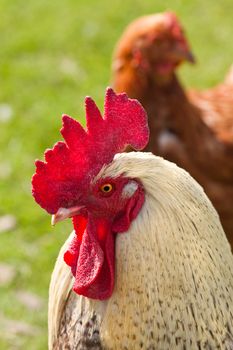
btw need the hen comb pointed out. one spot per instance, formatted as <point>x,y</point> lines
<point>71,165</point>
<point>174,25</point>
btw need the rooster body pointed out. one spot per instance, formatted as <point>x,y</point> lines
<point>193,129</point>
<point>148,265</point>
<point>174,278</point>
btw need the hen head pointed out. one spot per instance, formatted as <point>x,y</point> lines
<point>71,183</point>
<point>154,45</point>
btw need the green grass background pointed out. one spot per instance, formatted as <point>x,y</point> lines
<point>52,54</point>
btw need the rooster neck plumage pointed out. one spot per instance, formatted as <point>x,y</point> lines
<point>173,268</point>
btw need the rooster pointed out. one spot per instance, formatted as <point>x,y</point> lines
<point>148,265</point>
<point>193,129</point>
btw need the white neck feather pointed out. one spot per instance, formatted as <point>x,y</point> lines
<point>174,268</point>
<point>174,257</point>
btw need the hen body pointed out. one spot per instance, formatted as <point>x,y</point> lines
<point>193,129</point>
<point>174,278</point>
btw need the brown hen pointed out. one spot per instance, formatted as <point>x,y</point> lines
<point>193,129</point>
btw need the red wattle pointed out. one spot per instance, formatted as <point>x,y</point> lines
<point>71,255</point>
<point>90,261</point>
<point>100,281</point>
<point>91,256</point>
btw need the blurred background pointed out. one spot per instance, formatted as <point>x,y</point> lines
<point>52,55</point>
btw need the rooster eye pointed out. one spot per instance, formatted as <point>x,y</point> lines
<point>106,188</point>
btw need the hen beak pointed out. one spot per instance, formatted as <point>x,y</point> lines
<point>65,213</point>
<point>183,54</point>
<point>190,57</point>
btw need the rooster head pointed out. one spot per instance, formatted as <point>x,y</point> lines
<point>70,183</point>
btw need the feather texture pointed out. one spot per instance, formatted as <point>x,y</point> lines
<point>174,278</point>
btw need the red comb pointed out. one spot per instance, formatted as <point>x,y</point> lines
<point>174,25</point>
<point>71,165</point>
